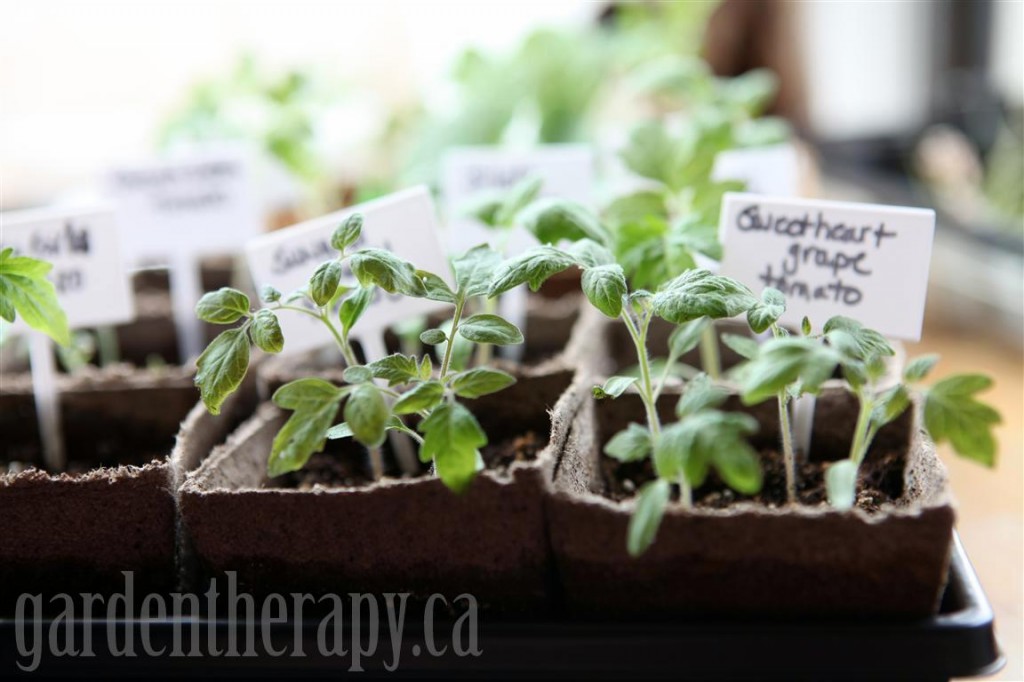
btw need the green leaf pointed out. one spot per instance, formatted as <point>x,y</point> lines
<point>919,368</point>
<point>705,438</point>
<point>855,340</point>
<point>517,198</point>
<point>396,368</point>
<point>650,508</point>
<point>951,413</point>
<point>461,352</point>
<point>555,220</point>
<point>805,326</point>
<point>698,293</point>
<point>474,270</point>
<point>339,431</point>
<point>269,294</point>
<point>487,328</point>
<point>315,405</point>
<point>533,267</point>
<point>890,405</point>
<point>590,254</point>
<point>434,288</point>
<point>605,287</point>
<point>629,445</point>
<point>426,368</point>
<point>266,332</point>
<point>324,282</point>
<point>25,290</point>
<point>613,387</point>
<point>224,306</point>
<point>677,454</point>
<point>841,484</point>
<point>366,413</point>
<point>767,311</point>
<point>636,207</point>
<point>782,362</point>
<point>737,464</point>
<point>652,154</point>
<point>744,346</point>
<point>433,337</point>
<point>686,337</point>
<point>698,395</point>
<point>387,271</point>
<point>480,381</point>
<point>221,367</point>
<point>347,233</point>
<point>451,440</point>
<point>353,307</point>
<point>424,396</point>
<point>357,374</point>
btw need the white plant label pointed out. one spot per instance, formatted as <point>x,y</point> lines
<point>88,272</point>
<point>866,261</point>
<point>404,223</point>
<point>193,205</point>
<point>773,170</point>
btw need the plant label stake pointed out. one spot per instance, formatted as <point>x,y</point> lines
<point>404,223</point>
<point>773,170</point>
<point>176,210</point>
<point>566,171</point>
<point>92,287</point>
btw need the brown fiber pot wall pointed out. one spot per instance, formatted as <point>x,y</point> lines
<point>115,511</point>
<point>751,559</point>
<point>396,535</point>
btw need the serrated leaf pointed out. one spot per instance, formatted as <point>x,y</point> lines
<point>451,440</point>
<point>426,368</point>
<point>781,362</point>
<point>698,293</point>
<point>315,405</point>
<point>841,484</point>
<point>474,270</point>
<point>347,233</point>
<point>385,270</point>
<point>265,331</point>
<point>357,374</point>
<point>25,291</point>
<point>424,396</point>
<point>224,306</point>
<point>629,445</point>
<point>919,368</point>
<point>324,282</point>
<point>605,288</point>
<point>487,328</point>
<point>686,337</point>
<point>353,307</point>
<point>699,394</point>
<point>646,519</point>
<point>480,381</point>
<point>744,346</point>
<point>951,413</point>
<point>366,413</point>
<point>613,387</point>
<point>554,220</point>
<point>767,311</point>
<point>221,367</point>
<point>855,340</point>
<point>433,337</point>
<point>533,267</point>
<point>396,369</point>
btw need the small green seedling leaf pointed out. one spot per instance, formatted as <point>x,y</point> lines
<point>554,220</point>
<point>353,307</point>
<point>698,293</point>
<point>919,368</point>
<point>433,337</point>
<point>347,233</point>
<point>613,387</point>
<point>221,367</point>
<point>650,509</point>
<point>744,346</point>
<point>366,413</point>
<point>474,270</point>
<point>387,271</point>
<point>487,328</point>
<point>632,444</point>
<point>590,254</point>
<point>462,350</point>
<point>686,337</point>
<point>855,340</point>
<point>25,291</point>
<point>700,393</point>
<point>323,285</point>
<point>269,294</point>
<point>435,288</point>
<point>952,413</point>
<point>224,306</point>
<point>315,405</point>
<point>781,362</point>
<point>533,267</point>
<point>805,326</point>
<point>266,332</point>
<point>841,484</point>
<point>424,396</point>
<point>451,440</point>
<point>396,369</point>
<point>605,288</point>
<point>357,374</point>
<point>516,199</point>
<point>890,405</point>
<point>767,311</point>
<point>480,381</point>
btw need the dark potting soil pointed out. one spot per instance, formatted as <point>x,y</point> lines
<point>80,467</point>
<point>350,466</point>
<point>880,481</point>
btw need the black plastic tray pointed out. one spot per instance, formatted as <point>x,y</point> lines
<point>957,642</point>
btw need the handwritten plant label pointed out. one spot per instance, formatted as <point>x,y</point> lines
<point>833,258</point>
<point>404,223</point>
<point>468,173</point>
<point>196,205</point>
<point>773,170</point>
<point>88,272</point>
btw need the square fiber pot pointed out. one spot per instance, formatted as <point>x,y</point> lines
<point>114,509</point>
<point>395,535</point>
<point>751,559</point>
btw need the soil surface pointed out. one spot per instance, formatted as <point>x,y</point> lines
<point>880,481</point>
<point>79,467</point>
